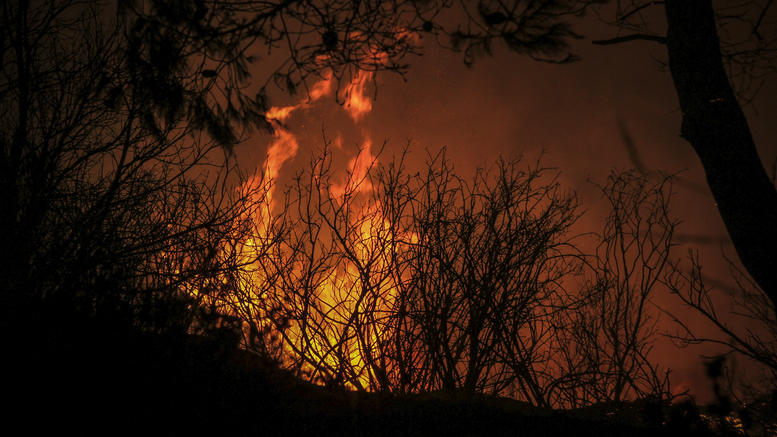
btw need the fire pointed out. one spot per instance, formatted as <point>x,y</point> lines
<point>280,114</point>
<point>357,102</point>
<point>339,286</point>
<point>283,148</point>
<point>356,178</point>
<point>342,285</point>
<point>322,88</point>
<point>285,145</point>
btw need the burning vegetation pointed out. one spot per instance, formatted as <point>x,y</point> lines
<point>140,244</point>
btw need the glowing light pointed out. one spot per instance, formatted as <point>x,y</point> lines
<point>338,292</point>
<point>322,88</point>
<point>285,145</point>
<point>356,180</point>
<point>283,148</point>
<point>280,114</point>
<point>357,102</point>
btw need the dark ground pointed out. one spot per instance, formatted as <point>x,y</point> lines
<point>77,376</point>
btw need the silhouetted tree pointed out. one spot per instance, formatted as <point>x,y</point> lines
<point>114,203</point>
<point>419,282</point>
<point>341,38</point>
<point>487,273</point>
<point>703,68</point>
<point>748,330</point>
<point>613,334</point>
<point>719,56</point>
<point>400,282</point>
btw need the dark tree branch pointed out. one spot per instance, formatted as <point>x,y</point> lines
<point>632,37</point>
<point>625,16</point>
<point>760,20</point>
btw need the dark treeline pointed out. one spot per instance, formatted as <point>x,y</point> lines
<point>140,260</point>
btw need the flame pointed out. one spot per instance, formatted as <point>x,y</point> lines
<point>338,142</point>
<point>407,36</point>
<point>357,103</point>
<point>283,148</point>
<point>356,180</point>
<point>337,290</point>
<point>285,145</point>
<point>322,88</point>
<point>280,114</point>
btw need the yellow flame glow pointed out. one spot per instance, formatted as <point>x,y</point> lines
<point>336,290</point>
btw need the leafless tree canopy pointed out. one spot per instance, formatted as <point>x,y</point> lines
<point>409,282</point>
<point>113,203</point>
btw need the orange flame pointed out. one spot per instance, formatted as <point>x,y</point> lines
<point>322,88</point>
<point>356,180</point>
<point>283,148</point>
<point>335,288</point>
<point>285,145</point>
<point>280,114</point>
<point>357,103</point>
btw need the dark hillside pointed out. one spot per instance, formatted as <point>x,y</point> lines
<point>78,375</point>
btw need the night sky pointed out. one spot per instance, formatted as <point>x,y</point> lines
<point>578,114</point>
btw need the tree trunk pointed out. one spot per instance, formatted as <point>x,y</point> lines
<point>714,124</point>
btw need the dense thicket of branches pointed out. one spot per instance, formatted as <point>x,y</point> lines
<point>402,282</point>
<point>117,126</point>
<point>121,201</point>
<point>113,201</point>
